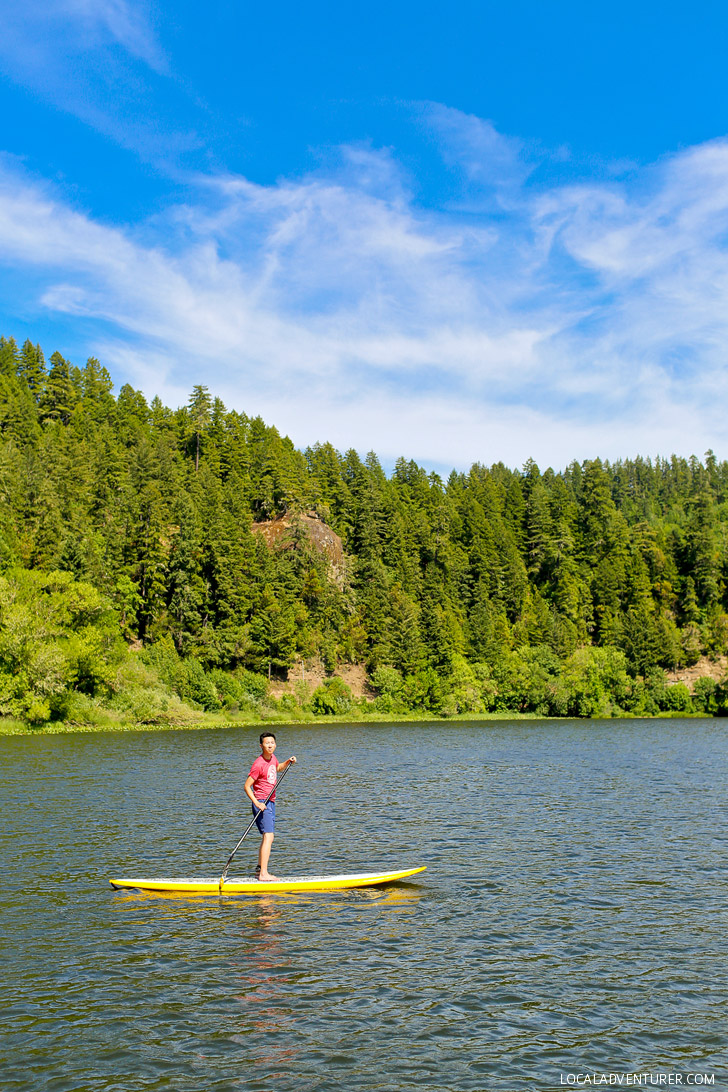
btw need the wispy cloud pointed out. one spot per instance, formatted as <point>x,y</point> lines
<point>474,147</point>
<point>569,321</point>
<point>41,36</point>
<point>102,62</point>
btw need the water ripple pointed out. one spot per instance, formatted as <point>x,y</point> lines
<point>572,916</point>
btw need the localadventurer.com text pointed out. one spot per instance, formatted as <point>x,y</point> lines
<point>637,1080</point>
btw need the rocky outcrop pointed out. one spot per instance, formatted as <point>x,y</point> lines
<point>312,673</point>
<point>705,668</point>
<point>281,533</point>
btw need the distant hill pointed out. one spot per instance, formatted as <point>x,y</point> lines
<point>206,533</point>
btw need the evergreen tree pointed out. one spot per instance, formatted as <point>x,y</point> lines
<point>31,367</point>
<point>200,417</point>
<point>59,396</point>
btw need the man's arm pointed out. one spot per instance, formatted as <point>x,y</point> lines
<point>289,762</point>
<point>249,792</point>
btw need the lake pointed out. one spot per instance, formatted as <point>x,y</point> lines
<point>572,918</point>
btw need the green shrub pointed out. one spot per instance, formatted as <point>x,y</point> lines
<point>487,687</point>
<point>677,698</point>
<point>251,683</point>
<point>640,700</point>
<point>389,684</point>
<point>597,684</point>
<point>186,677</point>
<point>705,696</point>
<point>332,697</point>
<point>58,636</point>
<point>465,690</point>
<point>423,690</point>
<point>82,709</point>
<point>193,685</point>
<point>387,680</point>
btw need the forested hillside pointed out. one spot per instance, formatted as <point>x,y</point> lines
<point>134,556</point>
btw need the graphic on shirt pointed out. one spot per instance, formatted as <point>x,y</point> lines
<point>272,774</point>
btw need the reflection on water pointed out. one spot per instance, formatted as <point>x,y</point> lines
<point>572,917</point>
<point>394,894</point>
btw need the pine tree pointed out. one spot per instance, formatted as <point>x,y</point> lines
<point>186,590</point>
<point>9,357</point>
<point>145,555</point>
<point>200,417</point>
<point>273,632</point>
<point>703,554</point>
<point>59,396</point>
<point>31,367</point>
<point>96,387</point>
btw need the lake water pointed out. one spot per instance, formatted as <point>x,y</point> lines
<point>572,919</point>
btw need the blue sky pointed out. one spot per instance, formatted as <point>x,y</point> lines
<point>458,234</point>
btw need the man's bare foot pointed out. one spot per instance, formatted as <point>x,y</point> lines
<point>265,877</point>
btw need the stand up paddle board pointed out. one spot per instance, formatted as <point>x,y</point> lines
<point>211,886</point>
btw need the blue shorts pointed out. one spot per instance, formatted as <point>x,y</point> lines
<point>265,821</point>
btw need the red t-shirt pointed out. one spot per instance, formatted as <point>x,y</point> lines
<point>265,775</point>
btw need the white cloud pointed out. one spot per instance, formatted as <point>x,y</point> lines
<point>115,20</point>
<point>43,40</point>
<point>49,32</point>
<point>474,146</point>
<point>99,61</point>
<point>575,321</point>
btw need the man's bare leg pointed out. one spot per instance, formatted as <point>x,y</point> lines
<point>263,857</point>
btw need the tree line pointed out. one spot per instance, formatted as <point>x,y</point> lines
<point>129,560</point>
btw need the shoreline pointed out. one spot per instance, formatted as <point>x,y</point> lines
<point>209,723</point>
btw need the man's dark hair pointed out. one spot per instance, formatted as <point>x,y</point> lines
<point>266,735</point>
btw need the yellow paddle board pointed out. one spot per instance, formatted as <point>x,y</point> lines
<point>211,886</point>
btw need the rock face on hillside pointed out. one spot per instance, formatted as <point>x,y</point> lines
<point>280,534</point>
<point>705,668</point>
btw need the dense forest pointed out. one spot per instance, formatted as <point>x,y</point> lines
<point>136,579</point>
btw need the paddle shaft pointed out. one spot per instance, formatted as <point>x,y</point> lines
<point>250,827</point>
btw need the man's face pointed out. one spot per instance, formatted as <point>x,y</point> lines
<point>268,746</point>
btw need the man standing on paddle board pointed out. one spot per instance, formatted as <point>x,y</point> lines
<point>261,779</point>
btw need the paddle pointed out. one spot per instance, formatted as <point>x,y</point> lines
<point>248,828</point>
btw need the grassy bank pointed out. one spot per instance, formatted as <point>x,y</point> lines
<point>207,721</point>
